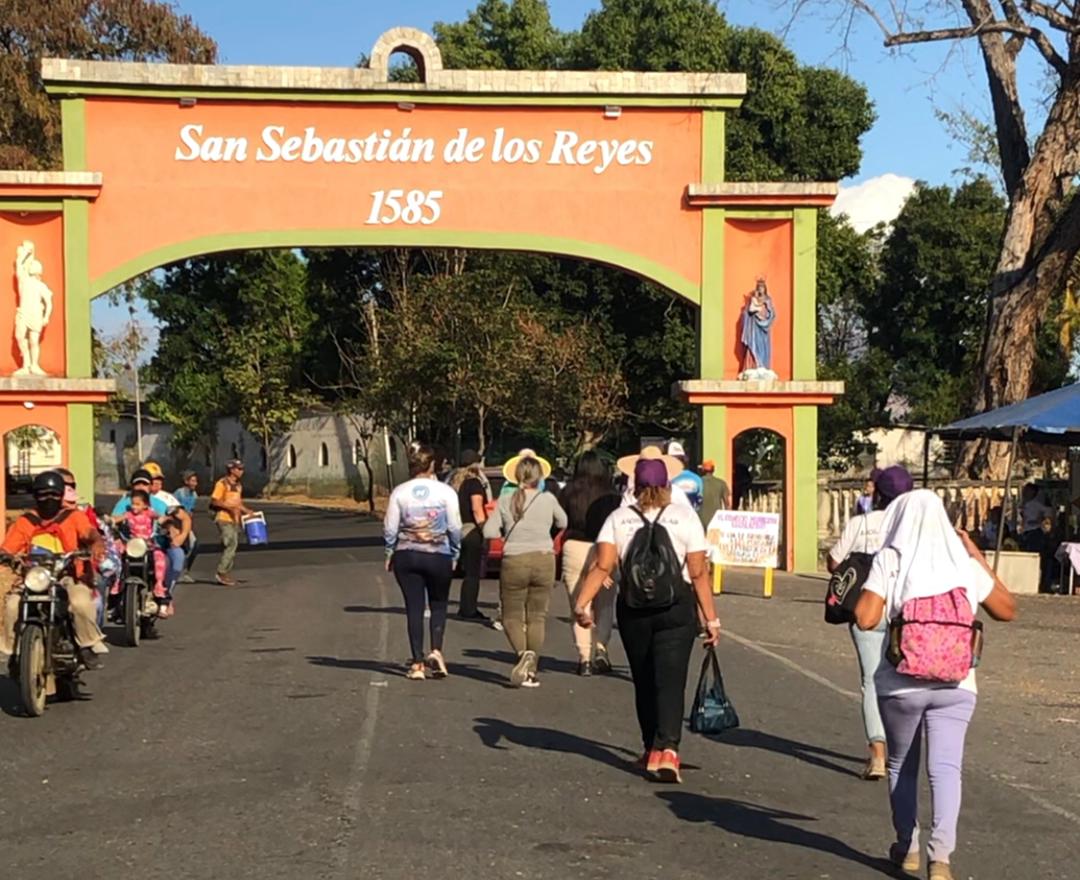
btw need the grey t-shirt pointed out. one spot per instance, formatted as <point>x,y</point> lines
<point>532,533</point>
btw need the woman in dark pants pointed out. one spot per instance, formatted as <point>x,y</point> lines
<point>422,533</point>
<point>658,642</point>
<point>473,496</point>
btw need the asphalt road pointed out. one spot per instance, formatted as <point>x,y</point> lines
<point>270,733</point>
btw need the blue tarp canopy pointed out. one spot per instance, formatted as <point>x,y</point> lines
<point>1052,418</point>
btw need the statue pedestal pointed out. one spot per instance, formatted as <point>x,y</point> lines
<point>743,392</point>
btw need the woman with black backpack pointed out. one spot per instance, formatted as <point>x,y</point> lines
<point>664,582</point>
<point>862,538</point>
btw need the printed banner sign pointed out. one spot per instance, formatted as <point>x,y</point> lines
<point>738,537</point>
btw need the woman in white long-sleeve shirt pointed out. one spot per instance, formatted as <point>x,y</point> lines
<point>422,532</point>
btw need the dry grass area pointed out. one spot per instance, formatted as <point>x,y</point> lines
<point>346,504</point>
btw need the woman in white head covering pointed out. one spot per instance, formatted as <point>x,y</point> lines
<point>923,556</point>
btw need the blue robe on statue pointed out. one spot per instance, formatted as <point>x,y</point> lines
<point>755,332</point>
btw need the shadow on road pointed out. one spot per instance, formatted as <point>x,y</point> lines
<point>492,731</point>
<point>815,755</point>
<point>299,544</point>
<point>764,823</point>
<point>387,667</point>
<point>547,664</point>
<point>373,609</point>
<point>10,701</point>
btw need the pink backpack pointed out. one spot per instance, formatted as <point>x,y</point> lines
<point>936,638</point>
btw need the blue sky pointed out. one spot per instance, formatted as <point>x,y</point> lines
<point>907,142</point>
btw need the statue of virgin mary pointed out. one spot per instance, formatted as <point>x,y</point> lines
<point>757,319</point>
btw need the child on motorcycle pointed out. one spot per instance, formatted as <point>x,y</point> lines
<point>140,522</point>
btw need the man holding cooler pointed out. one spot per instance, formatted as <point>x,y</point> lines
<point>227,505</point>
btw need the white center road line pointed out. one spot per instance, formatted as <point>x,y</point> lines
<point>352,802</point>
<point>1025,790</point>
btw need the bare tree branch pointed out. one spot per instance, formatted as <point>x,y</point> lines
<point>1053,17</point>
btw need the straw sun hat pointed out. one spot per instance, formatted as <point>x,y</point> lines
<point>627,463</point>
<point>510,468</point>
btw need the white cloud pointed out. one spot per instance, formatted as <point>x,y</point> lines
<point>877,200</point>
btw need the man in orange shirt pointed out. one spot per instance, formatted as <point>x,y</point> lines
<point>227,505</point>
<point>51,523</point>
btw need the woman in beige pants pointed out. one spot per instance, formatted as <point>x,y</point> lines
<point>588,499</point>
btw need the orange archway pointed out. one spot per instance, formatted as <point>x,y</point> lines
<point>163,162</point>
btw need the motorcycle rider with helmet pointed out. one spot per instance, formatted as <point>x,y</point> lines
<point>50,522</point>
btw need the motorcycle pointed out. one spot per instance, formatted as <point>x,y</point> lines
<point>46,658</point>
<point>133,606</point>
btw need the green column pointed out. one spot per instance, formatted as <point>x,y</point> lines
<point>77,333</point>
<point>804,284</point>
<point>81,448</point>
<point>711,330</point>
<point>804,498</point>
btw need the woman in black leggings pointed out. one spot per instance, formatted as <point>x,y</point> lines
<point>422,532</point>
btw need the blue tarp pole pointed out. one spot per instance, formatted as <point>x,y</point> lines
<point>1005,500</point>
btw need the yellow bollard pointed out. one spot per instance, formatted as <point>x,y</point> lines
<point>717,580</point>
<point>768,583</point>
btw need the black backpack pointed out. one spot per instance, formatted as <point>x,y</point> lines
<point>846,584</point>
<point>651,569</point>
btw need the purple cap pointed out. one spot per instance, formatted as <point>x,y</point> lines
<point>650,472</point>
<point>893,482</point>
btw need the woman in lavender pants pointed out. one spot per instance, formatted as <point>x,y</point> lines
<point>922,556</point>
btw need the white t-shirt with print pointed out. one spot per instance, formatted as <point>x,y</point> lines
<point>682,523</point>
<point>882,580</point>
<point>862,534</point>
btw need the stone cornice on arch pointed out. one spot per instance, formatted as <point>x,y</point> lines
<point>70,78</point>
<point>413,42</point>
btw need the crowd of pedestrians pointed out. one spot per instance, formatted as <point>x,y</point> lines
<point>617,536</point>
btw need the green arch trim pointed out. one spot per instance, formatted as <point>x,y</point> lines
<point>429,238</point>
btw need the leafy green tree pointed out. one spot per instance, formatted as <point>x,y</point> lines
<point>515,35</point>
<point>235,332</point>
<point>928,310</point>
<point>847,279</point>
<point>120,30</point>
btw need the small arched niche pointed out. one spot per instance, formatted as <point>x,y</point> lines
<point>29,450</point>
<point>414,43</point>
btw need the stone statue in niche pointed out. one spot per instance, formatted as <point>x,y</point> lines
<point>756,322</point>
<point>34,309</point>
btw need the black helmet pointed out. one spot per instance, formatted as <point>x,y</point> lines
<point>141,476</point>
<point>48,483</point>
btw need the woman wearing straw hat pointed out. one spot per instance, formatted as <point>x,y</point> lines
<point>524,519</point>
<point>658,641</point>
<point>674,467</point>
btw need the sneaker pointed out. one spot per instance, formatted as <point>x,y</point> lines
<point>667,768</point>
<point>437,664</point>
<point>497,625</point>
<point>906,860</point>
<point>523,668</point>
<point>530,682</point>
<point>584,668</point>
<point>478,616</point>
<point>601,664</point>
<point>649,761</point>
<point>225,580</point>
<point>186,578</point>
<point>89,659</point>
<point>940,871</point>
<point>416,672</point>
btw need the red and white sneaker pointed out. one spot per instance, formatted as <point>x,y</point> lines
<point>668,766</point>
<point>650,762</point>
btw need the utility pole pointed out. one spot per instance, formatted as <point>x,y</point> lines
<point>133,364</point>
